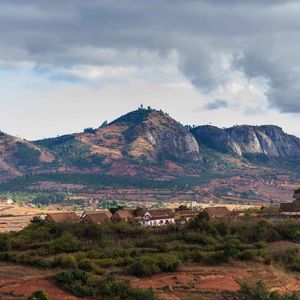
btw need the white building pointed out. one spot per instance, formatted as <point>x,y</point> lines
<point>6,201</point>
<point>158,217</point>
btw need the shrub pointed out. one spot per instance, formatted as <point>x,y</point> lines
<point>250,254</point>
<point>76,282</point>
<point>199,237</point>
<point>149,265</point>
<point>210,258</point>
<point>232,247</point>
<point>290,259</point>
<point>290,230</point>
<point>81,284</point>
<point>64,244</point>
<point>64,261</point>
<point>5,244</point>
<point>144,266</point>
<point>260,292</point>
<point>111,288</point>
<point>86,264</point>
<point>39,295</point>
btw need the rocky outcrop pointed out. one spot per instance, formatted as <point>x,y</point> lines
<point>146,134</point>
<point>241,140</point>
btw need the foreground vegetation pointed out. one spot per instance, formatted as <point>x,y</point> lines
<point>86,251</point>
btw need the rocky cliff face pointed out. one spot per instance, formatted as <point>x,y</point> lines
<point>241,140</point>
<point>153,134</point>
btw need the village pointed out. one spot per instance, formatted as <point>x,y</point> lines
<point>14,218</point>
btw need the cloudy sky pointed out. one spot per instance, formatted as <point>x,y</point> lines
<point>70,64</point>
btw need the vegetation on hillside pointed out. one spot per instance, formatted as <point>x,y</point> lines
<point>84,251</point>
<point>26,155</point>
<point>101,181</point>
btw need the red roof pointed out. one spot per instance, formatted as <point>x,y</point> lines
<point>97,216</point>
<point>186,213</point>
<point>62,217</point>
<point>123,214</point>
<point>156,214</point>
<point>290,207</point>
<point>217,211</point>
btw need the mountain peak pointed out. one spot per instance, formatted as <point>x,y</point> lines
<point>137,116</point>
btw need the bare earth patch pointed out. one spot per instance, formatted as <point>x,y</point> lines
<point>19,282</point>
<point>207,283</point>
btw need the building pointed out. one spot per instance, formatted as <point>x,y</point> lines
<point>6,201</point>
<point>123,215</point>
<point>290,210</point>
<point>217,212</point>
<point>96,217</point>
<point>183,216</point>
<point>158,217</point>
<point>62,217</point>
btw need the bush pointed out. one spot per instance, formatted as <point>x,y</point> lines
<point>144,266</point>
<point>76,282</point>
<point>81,284</point>
<point>39,295</point>
<point>232,248</point>
<point>290,259</point>
<point>259,292</point>
<point>5,244</point>
<point>86,264</point>
<point>290,230</point>
<point>64,261</point>
<point>210,258</point>
<point>111,288</point>
<point>64,244</point>
<point>149,265</point>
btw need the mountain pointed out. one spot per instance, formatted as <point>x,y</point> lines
<point>245,140</point>
<point>142,142</point>
<point>149,144</point>
<point>19,157</point>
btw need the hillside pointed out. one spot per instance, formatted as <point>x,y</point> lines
<point>147,144</point>
<point>142,142</point>
<point>19,157</point>
<point>202,259</point>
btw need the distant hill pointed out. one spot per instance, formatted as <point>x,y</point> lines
<point>148,143</point>
<point>142,142</point>
<point>19,157</point>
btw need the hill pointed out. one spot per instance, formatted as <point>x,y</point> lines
<point>19,157</point>
<point>144,142</point>
<point>148,144</point>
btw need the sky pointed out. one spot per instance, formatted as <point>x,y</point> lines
<point>70,64</point>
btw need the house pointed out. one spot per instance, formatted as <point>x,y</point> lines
<point>96,217</point>
<point>290,210</point>
<point>183,216</point>
<point>218,212</point>
<point>6,201</point>
<point>62,217</point>
<point>123,215</point>
<point>158,217</point>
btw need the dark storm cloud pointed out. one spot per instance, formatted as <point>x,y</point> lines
<point>213,38</point>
